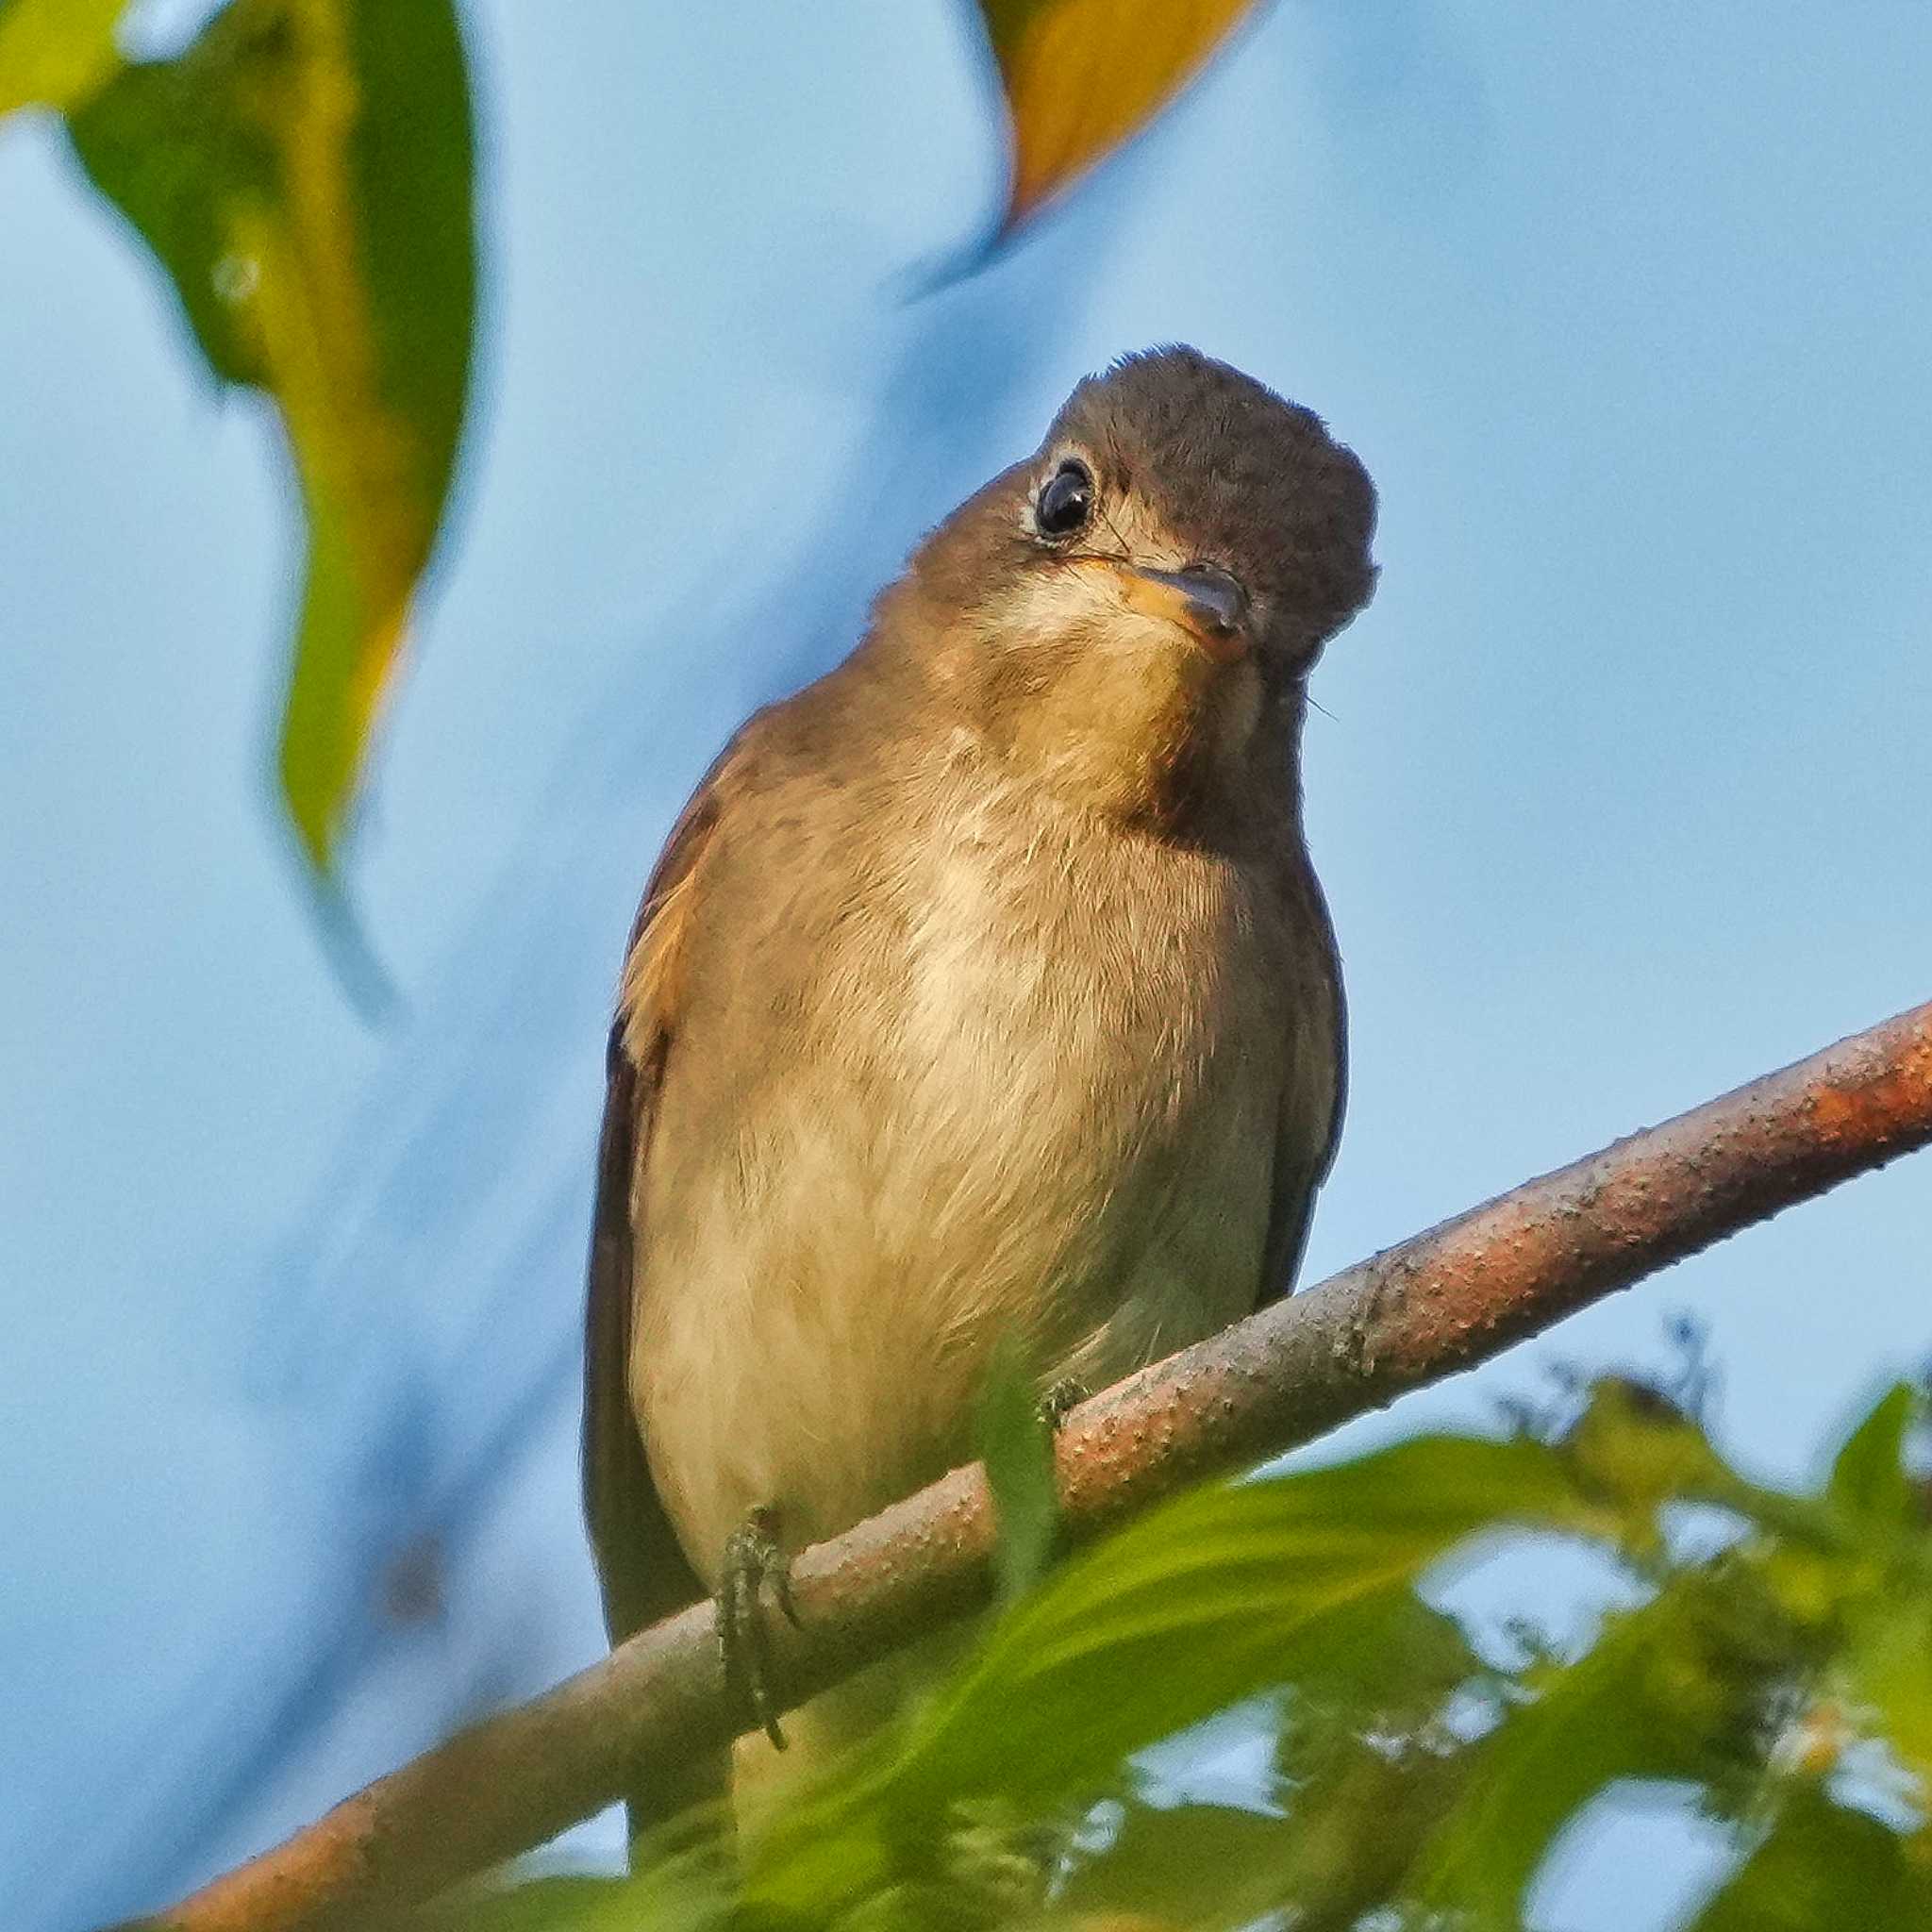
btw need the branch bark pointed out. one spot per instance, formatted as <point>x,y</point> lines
<point>1438,1303</point>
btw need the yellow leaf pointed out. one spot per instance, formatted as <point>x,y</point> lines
<point>1081,77</point>
<point>54,52</point>
<point>302,172</point>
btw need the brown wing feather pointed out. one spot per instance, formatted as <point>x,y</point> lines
<point>641,1569</point>
<point>645,1573</point>
<point>1305,1148</point>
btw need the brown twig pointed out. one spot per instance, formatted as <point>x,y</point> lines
<point>1440,1302</point>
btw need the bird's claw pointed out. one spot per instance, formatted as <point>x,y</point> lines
<point>754,1557</point>
<point>1061,1399</point>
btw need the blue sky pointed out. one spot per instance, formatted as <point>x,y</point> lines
<point>1621,790</point>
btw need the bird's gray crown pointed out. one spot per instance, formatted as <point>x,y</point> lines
<point>1249,480</point>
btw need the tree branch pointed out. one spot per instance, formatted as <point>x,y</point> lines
<point>1415,1313</point>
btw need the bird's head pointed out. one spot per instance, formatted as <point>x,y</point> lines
<point>1135,606</point>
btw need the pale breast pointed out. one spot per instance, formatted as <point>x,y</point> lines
<point>1030,1084</point>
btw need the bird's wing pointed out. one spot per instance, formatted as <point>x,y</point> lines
<point>644,1572</point>
<point>1308,1124</point>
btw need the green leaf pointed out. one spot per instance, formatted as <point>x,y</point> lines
<point>683,1881</point>
<point>303,172</point>
<point>1823,1866</point>
<point>55,53</point>
<point>1081,77</point>
<point>1361,1823</point>
<point>1884,1672</point>
<point>1869,1480</point>
<point>543,1905</point>
<point>1201,1866</point>
<point>1243,1581</point>
<point>1400,1663</point>
<point>1668,1693</point>
<point>1207,1601</point>
<point>1016,1445</point>
<point>1636,1450</point>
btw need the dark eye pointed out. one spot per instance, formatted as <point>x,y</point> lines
<point>1065,501</point>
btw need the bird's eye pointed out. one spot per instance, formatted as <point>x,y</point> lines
<point>1065,501</point>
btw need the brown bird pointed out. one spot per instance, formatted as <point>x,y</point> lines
<point>984,986</point>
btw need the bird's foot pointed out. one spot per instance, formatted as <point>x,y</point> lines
<point>754,1557</point>
<point>1061,1399</point>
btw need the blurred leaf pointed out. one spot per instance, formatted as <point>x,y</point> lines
<point>1886,1675</point>
<point>1823,1867</point>
<point>543,1904</point>
<point>1016,1444</point>
<point>1360,1824</point>
<point>1869,1479</point>
<point>691,1888</point>
<point>1366,1762</point>
<point>1248,1582</point>
<point>1081,77</point>
<point>1402,1660</point>
<point>303,174</point>
<point>1198,1865</point>
<point>1636,1450</point>
<point>54,52</point>
<point>1668,1693</point>
<point>1214,1597</point>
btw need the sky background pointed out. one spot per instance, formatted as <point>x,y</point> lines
<point>1621,789</point>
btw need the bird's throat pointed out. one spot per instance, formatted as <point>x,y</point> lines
<point>1147,730</point>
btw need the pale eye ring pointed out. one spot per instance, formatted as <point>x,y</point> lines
<point>1065,504</point>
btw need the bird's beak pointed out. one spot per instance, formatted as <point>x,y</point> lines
<point>1206,602</point>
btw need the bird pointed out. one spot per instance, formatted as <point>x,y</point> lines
<point>984,989</point>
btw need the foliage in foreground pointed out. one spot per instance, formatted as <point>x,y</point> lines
<point>1768,1655</point>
